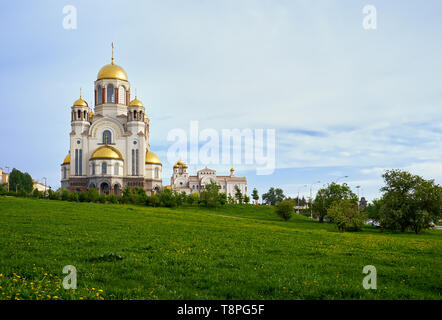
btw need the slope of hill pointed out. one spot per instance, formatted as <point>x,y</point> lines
<point>136,252</point>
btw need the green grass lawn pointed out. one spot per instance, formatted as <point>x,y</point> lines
<point>195,253</point>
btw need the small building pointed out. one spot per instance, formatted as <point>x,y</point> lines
<point>181,181</point>
<point>4,177</point>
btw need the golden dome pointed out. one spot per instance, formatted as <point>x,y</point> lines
<point>136,103</point>
<point>80,103</point>
<point>152,158</point>
<point>107,152</point>
<point>67,160</point>
<point>112,71</point>
<point>180,163</point>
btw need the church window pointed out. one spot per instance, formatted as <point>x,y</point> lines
<point>78,115</point>
<point>107,137</point>
<point>64,172</point>
<point>110,94</point>
<point>136,161</point>
<point>80,162</point>
<point>157,173</point>
<point>122,95</point>
<point>135,115</point>
<point>133,162</point>
<point>99,95</point>
<point>93,168</point>
<point>104,168</point>
<point>76,162</point>
<point>116,169</point>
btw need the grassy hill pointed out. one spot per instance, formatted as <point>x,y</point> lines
<point>135,252</point>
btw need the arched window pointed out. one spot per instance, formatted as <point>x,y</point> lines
<point>157,173</point>
<point>135,115</point>
<point>84,114</point>
<point>99,95</point>
<point>78,115</point>
<point>110,94</point>
<point>64,172</point>
<point>104,168</point>
<point>107,137</point>
<point>116,169</point>
<point>122,95</point>
<point>93,168</point>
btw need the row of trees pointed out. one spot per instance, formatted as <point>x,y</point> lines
<point>209,197</point>
<point>408,201</point>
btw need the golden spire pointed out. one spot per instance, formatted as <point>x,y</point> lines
<point>112,53</point>
<point>80,92</point>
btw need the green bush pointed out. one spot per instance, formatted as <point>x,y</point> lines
<point>346,215</point>
<point>3,190</point>
<point>112,198</point>
<point>74,196</point>
<point>92,195</point>
<point>285,209</point>
<point>37,194</point>
<point>102,198</point>
<point>82,197</point>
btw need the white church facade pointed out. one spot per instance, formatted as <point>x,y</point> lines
<point>181,181</point>
<point>109,145</point>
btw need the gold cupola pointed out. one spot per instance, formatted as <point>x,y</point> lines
<point>80,102</point>
<point>112,71</point>
<point>136,103</point>
<point>180,163</point>
<point>107,152</point>
<point>152,158</point>
<point>67,160</point>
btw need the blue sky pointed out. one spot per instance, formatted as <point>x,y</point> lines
<point>343,100</point>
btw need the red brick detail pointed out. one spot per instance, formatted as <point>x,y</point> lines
<point>116,95</point>
<point>95,91</point>
<point>103,95</point>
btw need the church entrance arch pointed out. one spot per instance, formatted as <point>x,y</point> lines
<point>104,188</point>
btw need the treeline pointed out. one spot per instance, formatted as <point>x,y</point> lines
<point>209,197</point>
<point>408,202</point>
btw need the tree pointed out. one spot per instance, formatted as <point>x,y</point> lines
<point>246,199</point>
<point>273,196</point>
<point>255,195</point>
<point>285,209</point>
<point>409,201</point>
<point>326,197</point>
<point>19,181</point>
<point>346,215</point>
<point>92,195</point>
<point>210,195</point>
<point>238,195</point>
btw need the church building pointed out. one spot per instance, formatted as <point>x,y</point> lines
<point>181,181</point>
<point>109,145</point>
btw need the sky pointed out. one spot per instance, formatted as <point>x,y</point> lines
<point>343,100</point>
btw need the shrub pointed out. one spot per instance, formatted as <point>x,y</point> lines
<point>112,198</point>
<point>82,196</point>
<point>285,209</point>
<point>37,194</point>
<point>127,195</point>
<point>167,199</point>
<point>74,196</point>
<point>3,190</point>
<point>138,196</point>
<point>153,200</point>
<point>92,195</point>
<point>52,195</point>
<point>102,198</point>
<point>346,215</point>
